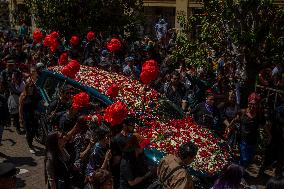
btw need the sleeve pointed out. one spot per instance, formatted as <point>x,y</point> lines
<point>185,97</point>
<point>98,158</point>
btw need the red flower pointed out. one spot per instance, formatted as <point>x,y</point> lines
<point>80,100</point>
<point>74,40</point>
<point>63,59</point>
<point>112,91</point>
<point>149,72</point>
<point>37,36</point>
<point>116,113</point>
<point>90,36</point>
<point>114,45</point>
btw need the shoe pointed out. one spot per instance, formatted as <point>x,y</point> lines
<point>32,151</point>
<point>19,131</point>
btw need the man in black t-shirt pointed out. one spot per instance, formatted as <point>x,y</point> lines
<point>117,145</point>
<point>134,172</point>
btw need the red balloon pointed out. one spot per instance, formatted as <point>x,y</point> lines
<point>75,66</point>
<point>71,69</point>
<point>74,40</point>
<point>47,41</point>
<point>37,36</point>
<point>54,34</point>
<point>67,71</point>
<point>150,71</point>
<point>54,44</point>
<point>90,36</point>
<point>114,45</point>
<point>63,59</point>
<point>116,113</point>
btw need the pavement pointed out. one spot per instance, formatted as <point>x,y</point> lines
<point>30,166</point>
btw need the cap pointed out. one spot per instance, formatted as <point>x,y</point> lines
<point>7,170</point>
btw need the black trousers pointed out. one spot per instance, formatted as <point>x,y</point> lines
<point>31,125</point>
<point>15,120</point>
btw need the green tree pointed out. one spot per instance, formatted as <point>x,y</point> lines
<point>254,26</point>
<point>75,16</point>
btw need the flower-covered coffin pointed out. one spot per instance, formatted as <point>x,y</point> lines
<point>159,120</point>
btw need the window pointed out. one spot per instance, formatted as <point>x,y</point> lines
<point>52,88</point>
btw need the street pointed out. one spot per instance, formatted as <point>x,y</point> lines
<point>31,166</point>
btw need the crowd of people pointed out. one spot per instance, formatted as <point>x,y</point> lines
<point>85,153</point>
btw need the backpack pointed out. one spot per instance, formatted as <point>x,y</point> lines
<point>158,184</point>
<point>13,104</point>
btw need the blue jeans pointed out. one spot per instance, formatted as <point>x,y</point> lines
<point>247,153</point>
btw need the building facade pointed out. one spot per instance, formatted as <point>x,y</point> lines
<point>170,9</point>
<point>15,10</point>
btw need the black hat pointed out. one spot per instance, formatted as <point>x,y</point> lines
<point>7,170</point>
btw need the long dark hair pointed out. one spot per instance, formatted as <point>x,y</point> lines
<point>231,178</point>
<point>52,148</point>
<point>51,145</point>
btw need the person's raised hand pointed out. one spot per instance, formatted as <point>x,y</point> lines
<point>108,155</point>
